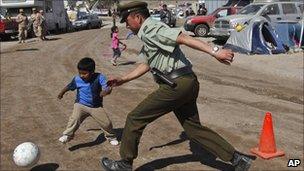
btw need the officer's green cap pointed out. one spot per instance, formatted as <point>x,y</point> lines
<point>127,8</point>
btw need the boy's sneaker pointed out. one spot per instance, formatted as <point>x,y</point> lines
<point>113,141</point>
<point>65,138</point>
<point>113,62</point>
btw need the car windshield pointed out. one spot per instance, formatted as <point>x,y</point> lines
<point>251,9</point>
<point>155,12</point>
<point>215,11</point>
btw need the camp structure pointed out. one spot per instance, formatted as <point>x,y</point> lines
<point>256,37</point>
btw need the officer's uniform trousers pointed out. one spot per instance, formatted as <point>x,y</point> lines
<point>182,101</point>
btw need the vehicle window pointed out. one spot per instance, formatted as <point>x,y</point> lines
<point>222,13</point>
<point>301,6</point>
<point>272,9</point>
<point>289,8</point>
<point>251,9</point>
<point>2,11</point>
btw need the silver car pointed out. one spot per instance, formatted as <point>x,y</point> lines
<point>275,12</point>
<point>87,21</point>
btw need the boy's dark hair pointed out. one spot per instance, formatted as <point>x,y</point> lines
<point>113,30</point>
<point>86,64</point>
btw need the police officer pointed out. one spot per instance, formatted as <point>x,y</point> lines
<point>161,51</point>
<point>22,21</point>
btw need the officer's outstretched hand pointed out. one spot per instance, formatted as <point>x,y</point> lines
<point>224,56</point>
<point>113,82</point>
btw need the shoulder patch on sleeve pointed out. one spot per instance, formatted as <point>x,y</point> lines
<point>145,28</point>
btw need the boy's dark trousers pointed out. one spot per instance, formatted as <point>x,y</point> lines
<point>182,101</point>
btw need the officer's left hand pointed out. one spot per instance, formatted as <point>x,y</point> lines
<point>224,56</point>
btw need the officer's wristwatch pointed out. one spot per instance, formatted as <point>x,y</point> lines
<point>215,49</point>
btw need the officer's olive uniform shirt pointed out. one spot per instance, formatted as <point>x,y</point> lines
<point>160,49</point>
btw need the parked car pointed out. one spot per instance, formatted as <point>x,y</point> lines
<point>200,25</point>
<point>104,12</point>
<point>101,12</point>
<point>275,12</point>
<point>87,21</point>
<point>8,28</point>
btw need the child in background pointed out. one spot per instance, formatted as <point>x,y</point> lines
<point>115,45</point>
<point>91,88</point>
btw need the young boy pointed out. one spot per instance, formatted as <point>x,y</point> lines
<point>91,88</point>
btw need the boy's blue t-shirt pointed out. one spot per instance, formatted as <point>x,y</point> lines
<point>88,93</point>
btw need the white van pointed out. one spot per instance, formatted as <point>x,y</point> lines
<point>54,11</point>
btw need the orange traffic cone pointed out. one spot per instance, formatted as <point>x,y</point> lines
<point>267,147</point>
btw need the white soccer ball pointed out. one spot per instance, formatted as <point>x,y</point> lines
<point>26,154</point>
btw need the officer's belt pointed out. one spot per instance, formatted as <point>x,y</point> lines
<point>179,72</point>
<point>169,77</point>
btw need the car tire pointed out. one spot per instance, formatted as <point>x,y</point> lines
<point>201,30</point>
<point>89,27</point>
<point>57,29</point>
<point>5,37</point>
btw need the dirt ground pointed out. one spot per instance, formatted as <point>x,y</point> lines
<point>232,101</point>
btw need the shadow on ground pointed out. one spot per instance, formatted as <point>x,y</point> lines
<point>53,39</point>
<point>46,167</point>
<point>198,155</point>
<point>220,41</point>
<point>99,140</point>
<point>127,63</point>
<point>29,49</point>
<point>20,50</point>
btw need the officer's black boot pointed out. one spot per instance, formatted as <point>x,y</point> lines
<point>242,162</point>
<point>113,165</point>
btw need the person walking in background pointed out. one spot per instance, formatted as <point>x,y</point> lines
<point>177,91</point>
<point>22,21</point>
<point>115,45</point>
<point>202,10</point>
<point>191,12</point>
<point>187,13</point>
<point>91,88</point>
<point>165,15</point>
<point>114,14</point>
